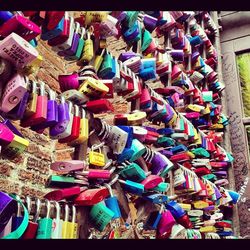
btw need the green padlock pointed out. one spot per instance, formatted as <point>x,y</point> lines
<point>106,66</point>
<point>138,148</point>
<point>131,18</point>
<point>200,152</point>
<point>162,187</point>
<point>80,47</point>
<point>101,216</point>
<point>166,141</point>
<point>133,172</point>
<point>146,40</point>
<point>210,177</point>
<point>45,224</point>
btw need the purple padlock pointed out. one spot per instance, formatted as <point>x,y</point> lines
<point>8,206</point>
<point>10,126</point>
<point>177,55</point>
<point>195,56</point>
<point>68,82</point>
<point>18,112</point>
<point>76,37</point>
<point>150,22</point>
<point>159,163</point>
<point>52,113</point>
<point>63,119</point>
<point>126,55</point>
<point>167,153</point>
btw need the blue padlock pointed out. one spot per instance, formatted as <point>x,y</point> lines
<point>176,210</point>
<point>5,16</point>
<point>129,130</point>
<point>156,198</point>
<point>49,34</point>
<point>153,220</point>
<point>165,131</point>
<point>112,203</point>
<point>33,42</point>
<point>125,155</point>
<point>179,148</point>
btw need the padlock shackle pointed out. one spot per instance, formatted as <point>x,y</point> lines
<point>38,209</point>
<point>73,214</point>
<point>58,209</point>
<point>28,203</point>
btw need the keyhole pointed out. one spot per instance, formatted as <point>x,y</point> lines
<point>61,167</point>
<point>13,99</point>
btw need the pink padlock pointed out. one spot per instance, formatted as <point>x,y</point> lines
<point>21,26</point>
<point>176,71</point>
<point>68,82</point>
<point>166,223</point>
<point>6,135</point>
<point>192,115</point>
<point>17,50</point>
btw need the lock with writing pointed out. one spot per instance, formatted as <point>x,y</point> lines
<point>16,147</point>
<point>14,91</point>
<point>57,222</point>
<point>75,41</point>
<point>66,45</point>
<point>31,106</point>
<point>52,113</point>
<point>88,50</point>
<point>64,35</point>
<point>41,109</point>
<point>57,131</point>
<point>52,33</point>
<point>93,88</point>
<point>96,158</point>
<point>30,232</point>
<point>101,215</point>
<point>21,26</point>
<point>83,130</point>
<point>45,224</point>
<point>66,224</point>
<point>73,225</point>
<point>75,130</point>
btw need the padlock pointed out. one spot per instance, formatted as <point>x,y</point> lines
<point>14,91</point>
<point>66,224</point>
<point>94,174</point>
<point>17,218</point>
<point>107,68</point>
<point>75,130</point>
<point>175,209</point>
<point>133,187</point>
<point>93,88</point>
<point>133,172</point>
<point>98,60</point>
<point>166,222</point>
<point>138,148</point>
<point>21,26</point>
<point>66,45</point>
<point>73,225</point>
<point>83,130</point>
<point>80,46</point>
<point>5,16</point>
<point>52,18</point>
<point>75,96</point>
<point>91,197</point>
<point>68,82</point>
<point>153,220</point>
<point>31,106</point>
<point>45,224</point>
<point>67,166</point>
<point>41,109</point>
<point>64,35</point>
<point>52,113</point>
<point>162,187</point>
<point>108,27</point>
<point>100,216</point>
<point>65,117</point>
<point>57,223</point>
<point>8,207</point>
<point>52,33</point>
<point>99,106</point>
<point>72,50</point>
<point>10,126</point>
<point>16,147</point>
<point>112,203</point>
<point>31,231</point>
<point>88,50</point>
<point>151,181</point>
<point>64,181</point>
<point>136,118</point>
<point>96,158</point>
<point>17,113</point>
<point>6,135</point>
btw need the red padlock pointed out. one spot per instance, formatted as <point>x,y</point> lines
<point>152,181</point>
<point>91,196</point>
<point>63,193</point>
<point>99,106</point>
<point>53,18</point>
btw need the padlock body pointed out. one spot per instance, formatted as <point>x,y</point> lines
<point>112,204</point>
<point>30,232</point>
<point>31,107</point>
<point>44,228</point>
<point>96,159</point>
<point>64,193</point>
<point>6,135</point>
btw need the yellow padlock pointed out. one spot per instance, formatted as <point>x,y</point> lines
<point>95,16</point>
<point>217,126</point>
<point>88,50</point>
<point>31,107</point>
<point>190,154</point>
<point>206,111</point>
<point>194,107</point>
<point>200,204</point>
<point>73,226</point>
<point>136,118</point>
<point>33,66</point>
<point>98,60</point>
<point>173,120</point>
<point>93,88</point>
<point>196,136</point>
<point>208,229</point>
<point>66,224</point>
<point>16,147</point>
<point>83,131</point>
<point>185,206</point>
<point>210,189</point>
<point>103,43</point>
<point>96,158</point>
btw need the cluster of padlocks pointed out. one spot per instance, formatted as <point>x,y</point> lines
<point>165,153</point>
